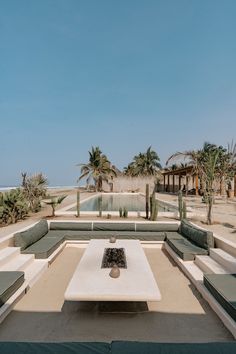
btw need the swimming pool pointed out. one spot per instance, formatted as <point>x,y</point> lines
<point>133,202</point>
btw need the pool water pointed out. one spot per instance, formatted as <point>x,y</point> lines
<point>113,202</point>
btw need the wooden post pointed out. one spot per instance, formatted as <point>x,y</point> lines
<point>179,181</point>
<point>168,181</point>
<point>186,184</point>
<point>173,183</point>
<point>164,183</point>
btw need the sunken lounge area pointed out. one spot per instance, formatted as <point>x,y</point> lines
<point>167,296</point>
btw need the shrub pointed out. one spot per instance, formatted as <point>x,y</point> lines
<point>13,206</point>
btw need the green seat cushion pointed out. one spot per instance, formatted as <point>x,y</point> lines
<point>44,247</point>
<point>173,348</point>
<point>115,226</point>
<point>26,238</point>
<point>58,348</point>
<point>201,238</point>
<point>83,226</point>
<point>156,226</point>
<point>60,234</point>
<point>9,282</point>
<point>185,249</point>
<point>223,288</point>
<point>173,236</point>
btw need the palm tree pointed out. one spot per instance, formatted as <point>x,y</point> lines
<point>98,168</point>
<point>144,164</point>
<point>210,164</point>
<point>54,201</point>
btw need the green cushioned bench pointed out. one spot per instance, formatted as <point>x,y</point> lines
<point>57,348</point>
<point>172,348</point>
<point>10,281</point>
<point>190,241</point>
<point>122,347</point>
<point>43,241</point>
<point>44,247</point>
<point>223,289</point>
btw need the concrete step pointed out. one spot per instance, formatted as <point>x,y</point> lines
<point>20,262</point>
<point>224,258</point>
<point>34,271</point>
<point>7,254</point>
<point>193,271</point>
<point>209,265</point>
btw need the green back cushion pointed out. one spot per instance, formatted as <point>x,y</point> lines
<point>200,237</point>
<point>157,227</point>
<point>58,348</point>
<point>80,226</point>
<point>115,226</point>
<point>33,234</point>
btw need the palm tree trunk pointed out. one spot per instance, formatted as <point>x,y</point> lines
<point>209,207</point>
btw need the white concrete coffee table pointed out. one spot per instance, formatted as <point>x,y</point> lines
<point>90,282</point>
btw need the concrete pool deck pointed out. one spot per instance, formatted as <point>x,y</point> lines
<point>181,316</point>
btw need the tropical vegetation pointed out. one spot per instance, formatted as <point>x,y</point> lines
<point>34,189</point>
<point>144,164</point>
<point>99,169</point>
<point>13,206</point>
<point>54,201</point>
<point>213,164</point>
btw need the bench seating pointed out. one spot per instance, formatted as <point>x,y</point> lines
<point>118,347</point>
<point>186,240</point>
<point>223,289</point>
<point>10,282</point>
<point>190,241</point>
<point>42,242</point>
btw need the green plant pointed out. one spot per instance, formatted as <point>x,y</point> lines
<point>98,168</point>
<point>13,206</point>
<point>147,201</point>
<point>184,210</point>
<point>78,204</point>
<point>34,189</point>
<point>144,164</point>
<point>154,208</point>
<point>180,204</point>
<point>54,201</point>
<point>120,212</point>
<point>125,213</point>
<point>100,206</point>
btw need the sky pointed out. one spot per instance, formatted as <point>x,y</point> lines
<point>121,75</point>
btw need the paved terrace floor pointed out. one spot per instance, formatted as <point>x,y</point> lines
<point>181,316</point>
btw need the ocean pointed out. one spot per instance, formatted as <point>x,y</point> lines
<point>8,188</point>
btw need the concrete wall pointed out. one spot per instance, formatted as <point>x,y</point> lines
<point>130,184</point>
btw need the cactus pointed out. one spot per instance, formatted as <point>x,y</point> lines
<point>180,202</point>
<point>100,206</point>
<point>184,210</point>
<point>147,201</point>
<point>154,208</point>
<point>125,213</point>
<point>78,204</point>
<point>120,212</point>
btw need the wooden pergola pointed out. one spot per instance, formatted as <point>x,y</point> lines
<point>173,178</point>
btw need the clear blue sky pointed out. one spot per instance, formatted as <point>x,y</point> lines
<point>122,75</point>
